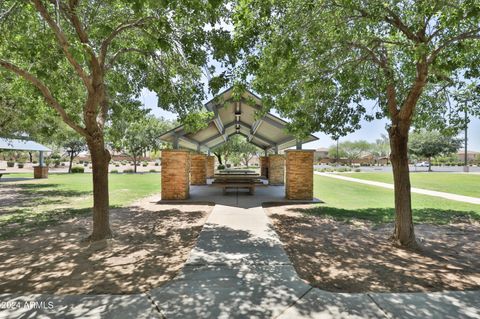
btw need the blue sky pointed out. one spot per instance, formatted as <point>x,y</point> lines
<point>370,131</point>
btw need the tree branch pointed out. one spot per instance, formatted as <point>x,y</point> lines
<point>117,54</point>
<point>472,34</point>
<point>62,40</point>
<point>395,21</point>
<point>408,106</point>
<point>5,14</point>
<point>46,94</point>
<point>118,30</point>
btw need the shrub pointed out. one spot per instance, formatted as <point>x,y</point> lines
<point>153,170</point>
<point>20,165</point>
<point>35,162</point>
<point>229,165</point>
<point>128,170</point>
<point>145,164</point>
<point>117,165</point>
<point>62,164</point>
<point>157,163</point>
<point>114,171</point>
<point>85,164</point>
<point>221,166</point>
<point>357,170</point>
<point>78,169</point>
<point>10,164</point>
<point>56,162</point>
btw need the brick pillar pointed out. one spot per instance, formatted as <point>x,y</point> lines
<point>210,166</point>
<point>199,169</point>
<point>276,169</point>
<point>264,166</point>
<point>299,177</point>
<point>40,172</point>
<point>175,174</point>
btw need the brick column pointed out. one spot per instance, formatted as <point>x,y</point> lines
<point>264,166</point>
<point>40,172</point>
<point>299,177</point>
<point>276,169</point>
<point>175,174</point>
<point>210,166</point>
<point>198,169</point>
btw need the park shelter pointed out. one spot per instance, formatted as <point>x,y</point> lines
<point>189,162</point>
<point>11,144</point>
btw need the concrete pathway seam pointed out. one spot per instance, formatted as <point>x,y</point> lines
<point>450,196</point>
<point>155,306</point>
<point>293,303</point>
<point>378,305</point>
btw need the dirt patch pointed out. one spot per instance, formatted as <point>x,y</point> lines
<point>357,257</point>
<point>152,242</point>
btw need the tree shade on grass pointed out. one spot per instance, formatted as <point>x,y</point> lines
<point>461,184</point>
<point>33,204</point>
<point>347,200</point>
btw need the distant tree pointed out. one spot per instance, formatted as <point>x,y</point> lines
<point>351,150</point>
<point>142,136</point>
<point>74,145</point>
<point>336,152</point>
<point>429,144</point>
<point>246,151</point>
<point>225,150</point>
<point>380,148</point>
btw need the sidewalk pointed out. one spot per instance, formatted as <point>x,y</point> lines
<point>239,269</point>
<point>455,197</point>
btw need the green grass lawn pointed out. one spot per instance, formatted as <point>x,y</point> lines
<point>36,203</point>
<point>461,184</point>
<point>346,200</point>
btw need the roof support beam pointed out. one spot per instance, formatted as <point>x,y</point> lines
<point>208,140</point>
<point>273,123</point>
<point>256,144</point>
<point>255,127</point>
<point>216,120</point>
<point>260,137</point>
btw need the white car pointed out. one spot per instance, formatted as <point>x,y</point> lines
<point>423,164</point>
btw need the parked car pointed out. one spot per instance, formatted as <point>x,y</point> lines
<point>423,164</point>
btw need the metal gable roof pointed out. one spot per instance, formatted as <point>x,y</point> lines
<point>236,117</point>
<point>22,145</point>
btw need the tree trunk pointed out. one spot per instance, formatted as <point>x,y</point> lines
<point>71,161</point>
<point>31,156</point>
<point>219,157</point>
<point>100,160</point>
<point>135,164</point>
<point>403,234</point>
<point>429,164</point>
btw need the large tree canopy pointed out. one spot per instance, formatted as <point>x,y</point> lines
<point>321,63</point>
<point>85,57</point>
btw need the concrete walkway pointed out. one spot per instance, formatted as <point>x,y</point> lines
<point>238,269</point>
<point>455,197</point>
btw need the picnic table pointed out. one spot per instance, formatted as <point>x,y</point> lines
<point>229,181</point>
<point>237,172</point>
